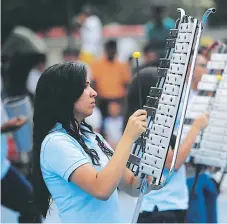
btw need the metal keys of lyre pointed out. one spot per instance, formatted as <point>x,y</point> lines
<point>172,71</point>
<point>166,99</point>
<point>210,147</point>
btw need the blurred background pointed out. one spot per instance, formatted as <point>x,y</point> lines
<point>52,19</point>
<point>38,33</point>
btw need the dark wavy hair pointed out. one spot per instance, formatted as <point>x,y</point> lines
<point>58,88</point>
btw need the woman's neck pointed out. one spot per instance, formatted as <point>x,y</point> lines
<point>78,118</point>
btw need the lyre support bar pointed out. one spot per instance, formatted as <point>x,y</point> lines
<point>180,44</point>
<point>206,15</point>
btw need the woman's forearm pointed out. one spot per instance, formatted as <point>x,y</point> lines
<point>111,175</point>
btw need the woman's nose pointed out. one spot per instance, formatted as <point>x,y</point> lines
<point>93,93</point>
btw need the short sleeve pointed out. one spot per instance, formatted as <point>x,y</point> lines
<point>63,155</point>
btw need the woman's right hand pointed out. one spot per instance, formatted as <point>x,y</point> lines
<point>137,124</point>
<point>202,121</point>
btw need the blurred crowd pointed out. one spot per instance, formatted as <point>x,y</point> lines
<point>110,65</point>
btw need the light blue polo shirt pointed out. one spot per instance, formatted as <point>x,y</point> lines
<point>167,23</point>
<point>173,196</point>
<point>60,156</point>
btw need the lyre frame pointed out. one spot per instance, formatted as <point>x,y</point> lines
<point>144,183</point>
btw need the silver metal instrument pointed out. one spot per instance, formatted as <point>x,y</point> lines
<point>210,147</point>
<point>163,102</point>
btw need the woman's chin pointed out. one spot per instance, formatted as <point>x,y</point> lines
<point>89,113</point>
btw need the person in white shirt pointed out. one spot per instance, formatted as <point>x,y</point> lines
<point>35,74</point>
<point>113,124</point>
<point>91,34</point>
<point>95,120</point>
<point>125,48</point>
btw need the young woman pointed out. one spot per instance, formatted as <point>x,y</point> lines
<point>71,164</point>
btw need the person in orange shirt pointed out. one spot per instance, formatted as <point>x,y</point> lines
<point>110,77</point>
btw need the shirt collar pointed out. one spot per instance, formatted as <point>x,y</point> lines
<point>89,135</point>
<point>57,127</point>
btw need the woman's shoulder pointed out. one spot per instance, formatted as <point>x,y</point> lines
<point>55,135</point>
<point>57,132</point>
<point>58,138</point>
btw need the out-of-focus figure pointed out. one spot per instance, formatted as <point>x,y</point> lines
<point>23,50</point>
<point>71,54</point>
<point>125,48</point>
<point>113,124</point>
<point>202,193</point>
<point>156,30</point>
<point>16,190</point>
<point>35,73</point>
<point>90,27</point>
<point>203,201</point>
<point>95,120</point>
<point>110,77</point>
<point>150,58</point>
